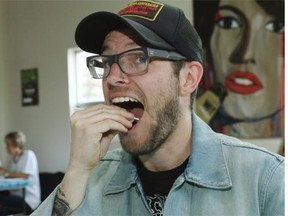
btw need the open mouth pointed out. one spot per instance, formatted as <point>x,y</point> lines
<point>132,105</point>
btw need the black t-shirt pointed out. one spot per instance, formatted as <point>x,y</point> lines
<point>157,185</point>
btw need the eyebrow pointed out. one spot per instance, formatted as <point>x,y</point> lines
<point>234,9</point>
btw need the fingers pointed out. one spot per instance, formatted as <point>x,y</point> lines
<point>92,132</point>
<point>103,117</point>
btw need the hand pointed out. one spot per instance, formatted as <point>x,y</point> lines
<point>92,132</point>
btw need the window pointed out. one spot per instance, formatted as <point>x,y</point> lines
<point>83,89</point>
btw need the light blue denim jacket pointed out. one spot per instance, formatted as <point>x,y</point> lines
<point>224,176</point>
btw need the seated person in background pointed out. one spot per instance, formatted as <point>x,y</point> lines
<point>22,164</point>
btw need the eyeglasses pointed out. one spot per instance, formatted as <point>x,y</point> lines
<point>131,62</point>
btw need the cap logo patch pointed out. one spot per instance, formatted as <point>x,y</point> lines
<point>142,9</point>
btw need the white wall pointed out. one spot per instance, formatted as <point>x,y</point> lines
<point>3,30</point>
<point>38,34</point>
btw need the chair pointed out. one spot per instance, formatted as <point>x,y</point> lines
<point>48,182</point>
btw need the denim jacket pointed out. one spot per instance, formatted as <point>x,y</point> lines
<point>224,176</point>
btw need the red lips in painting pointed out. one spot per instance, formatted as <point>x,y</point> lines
<point>243,82</point>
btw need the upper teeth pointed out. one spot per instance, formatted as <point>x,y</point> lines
<point>243,81</point>
<point>123,99</point>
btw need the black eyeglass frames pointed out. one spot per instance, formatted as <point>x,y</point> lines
<point>131,62</point>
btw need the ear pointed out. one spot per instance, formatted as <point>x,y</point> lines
<point>190,77</point>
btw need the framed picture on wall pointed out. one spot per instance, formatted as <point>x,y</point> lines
<point>29,87</point>
<point>244,52</point>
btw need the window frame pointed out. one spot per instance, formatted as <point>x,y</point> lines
<point>74,104</point>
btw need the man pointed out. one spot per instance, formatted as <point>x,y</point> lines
<point>23,164</point>
<point>172,162</point>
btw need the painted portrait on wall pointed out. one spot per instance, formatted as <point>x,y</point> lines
<point>244,51</point>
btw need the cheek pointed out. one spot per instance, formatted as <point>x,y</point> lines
<point>152,92</point>
<point>158,79</point>
<point>222,45</point>
<point>224,41</point>
<point>158,89</point>
<point>271,62</point>
<point>270,55</point>
<point>105,92</point>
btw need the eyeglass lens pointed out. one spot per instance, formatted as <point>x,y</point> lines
<point>130,62</point>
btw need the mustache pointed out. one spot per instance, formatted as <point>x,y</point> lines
<point>126,89</point>
<point>116,89</point>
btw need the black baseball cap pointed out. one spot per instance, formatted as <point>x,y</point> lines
<point>160,25</point>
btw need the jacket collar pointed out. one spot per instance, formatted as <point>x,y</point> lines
<point>206,167</point>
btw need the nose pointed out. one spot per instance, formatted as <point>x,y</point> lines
<point>245,49</point>
<point>116,76</point>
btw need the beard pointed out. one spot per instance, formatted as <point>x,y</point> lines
<point>167,118</point>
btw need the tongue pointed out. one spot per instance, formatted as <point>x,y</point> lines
<point>137,112</point>
<point>135,108</point>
